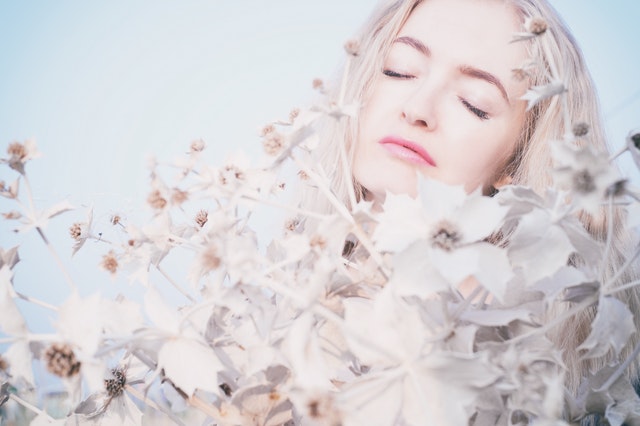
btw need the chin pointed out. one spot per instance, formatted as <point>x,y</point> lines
<point>387,179</point>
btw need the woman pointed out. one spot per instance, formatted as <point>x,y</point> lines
<point>440,85</point>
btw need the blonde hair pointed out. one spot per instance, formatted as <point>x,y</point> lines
<point>531,162</point>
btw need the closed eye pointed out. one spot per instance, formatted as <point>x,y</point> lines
<point>394,74</point>
<point>482,115</point>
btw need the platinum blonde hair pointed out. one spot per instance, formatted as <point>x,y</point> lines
<point>531,162</point>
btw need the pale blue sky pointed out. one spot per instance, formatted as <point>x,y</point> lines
<point>100,85</point>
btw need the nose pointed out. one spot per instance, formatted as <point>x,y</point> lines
<point>418,108</point>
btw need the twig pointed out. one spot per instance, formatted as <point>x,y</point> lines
<point>135,392</point>
<point>621,369</point>
<point>33,408</point>
<point>53,252</point>
<point>174,284</point>
<point>36,301</point>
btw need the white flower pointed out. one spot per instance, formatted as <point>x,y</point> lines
<point>20,153</point>
<point>451,227</point>
<point>537,94</point>
<point>585,173</point>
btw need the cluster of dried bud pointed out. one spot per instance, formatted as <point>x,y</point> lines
<point>17,152</point>
<point>318,85</point>
<point>197,145</point>
<point>273,143</point>
<point>580,129</point>
<point>202,217</point>
<point>537,26</point>
<point>178,196</point>
<point>76,231</point>
<point>352,47</point>
<point>109,262</point>
<point>156,200</point>
<point>61,360</point>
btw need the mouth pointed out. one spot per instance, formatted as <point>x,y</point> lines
<point>407,151</point>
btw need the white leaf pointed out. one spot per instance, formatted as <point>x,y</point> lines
<point>11,320</point>
<point>190,365</point>
<point>611,328</point>
<point>19,358</point>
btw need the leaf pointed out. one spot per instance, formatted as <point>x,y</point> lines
<point>11,320</point>
<point>190,365</point>
<point>496,317</point>
<point>611,328</point>
<point>414,274</point>
<point>537,94</point>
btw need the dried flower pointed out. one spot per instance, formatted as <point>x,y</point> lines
<point>534,27</point>
<point>273,143</point>
<point>318,84</point>
<point>178,196</point>
<point>109,262</point>
<point>537,26</point>
<point>13,214</point>
<point>352,47</point>
<point>580,129</point>
<point>75,231</point>
<point>20,153</point>
<point>318,241</point>
<point>292,224</point>
<point>115,219</point>
<point>294,114</point>
<point>269,128</point>
<point>116,384</point>
<point>586,173</point>
<point>156,200</point>
<point>209,258</point>
<point>197,145</point>
<point>303,175</point>
<point>61,360</point>
<point>201,218</point>
<point>520,74</point>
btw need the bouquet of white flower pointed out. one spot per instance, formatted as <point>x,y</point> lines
<point>399,315</point>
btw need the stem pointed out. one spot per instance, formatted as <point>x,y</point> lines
<point>36,301</point>
<point>72,285</point>
<point>468,300</point>
<point>556,321</point>
<point>343,84</point>
<point>286,207</point>
<point>342,210</point>
<point>209,409</point>
<point>622,269</point>
<point>621,369</point>
<point>615,290</point>
<point>175,284</point>
<point>607,247</point>
<point>140,396</point>
<point>27,185</point>
<point>619,153</point>
<point>33,408</point>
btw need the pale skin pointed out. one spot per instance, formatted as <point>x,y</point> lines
<point>445,104</point>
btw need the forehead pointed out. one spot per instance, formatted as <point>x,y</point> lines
<point>474,33</point>
<point>486,24</point>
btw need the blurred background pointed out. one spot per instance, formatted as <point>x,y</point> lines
<point>102,85</point>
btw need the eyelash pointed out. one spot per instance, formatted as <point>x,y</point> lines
<point>482,115</point>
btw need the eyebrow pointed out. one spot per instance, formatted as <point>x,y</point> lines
<point>464,69</point>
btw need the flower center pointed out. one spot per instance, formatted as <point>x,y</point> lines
<point>445,236</point>
<point>583,182</point>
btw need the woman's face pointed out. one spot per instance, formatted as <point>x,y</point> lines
<point>445,103</point>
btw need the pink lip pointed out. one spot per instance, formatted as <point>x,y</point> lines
<point>407,150</point>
